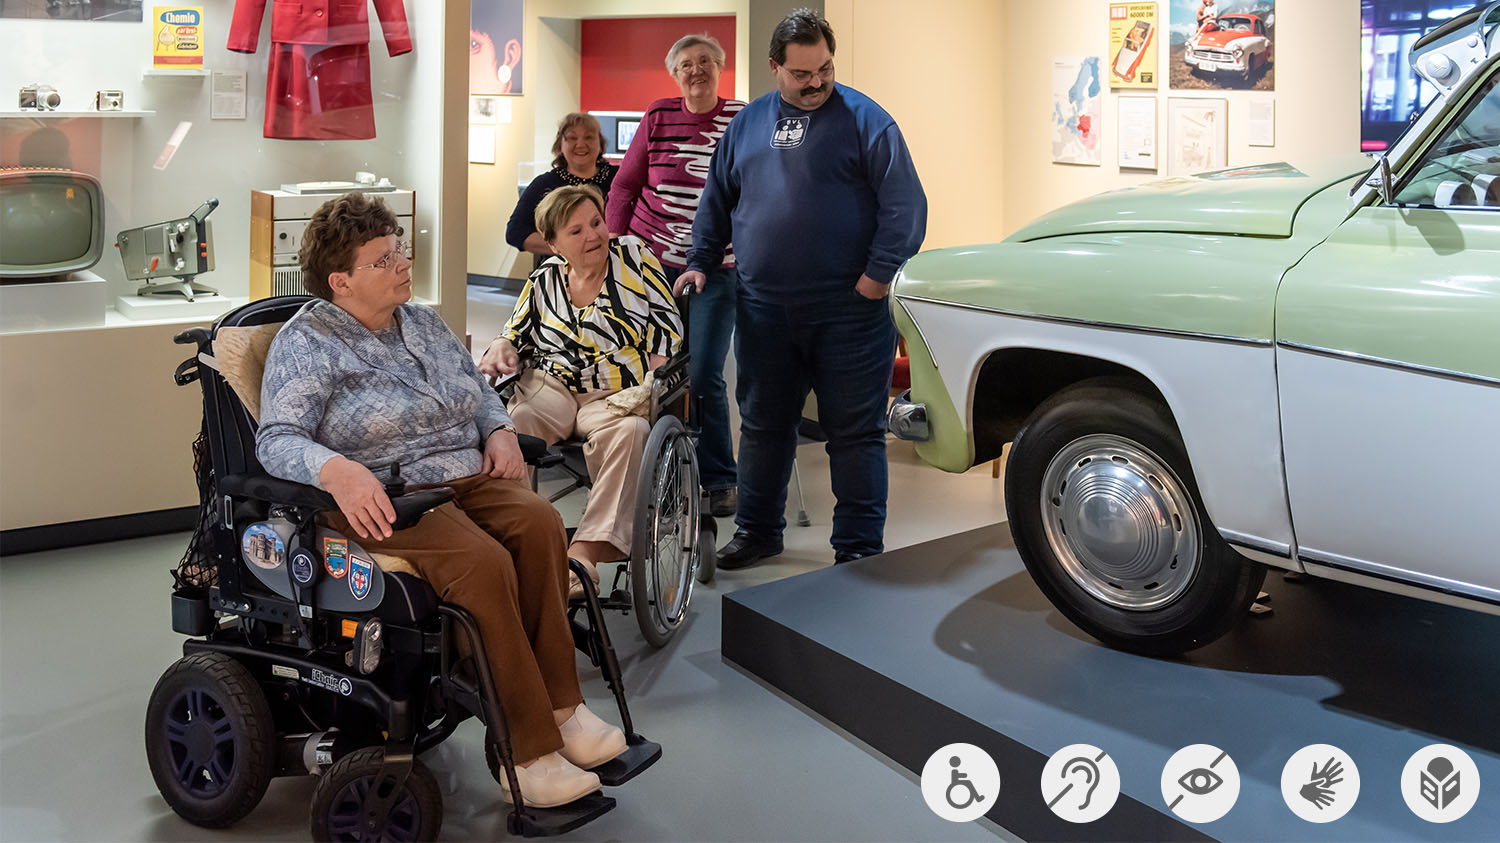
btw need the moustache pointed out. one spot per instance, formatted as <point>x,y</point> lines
<point>807,92</point>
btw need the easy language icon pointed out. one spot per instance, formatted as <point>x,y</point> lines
<point>1440,783</point>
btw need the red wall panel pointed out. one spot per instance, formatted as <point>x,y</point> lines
<point>624,59</point>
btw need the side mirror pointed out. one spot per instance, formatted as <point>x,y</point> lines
<point>1380,179</point>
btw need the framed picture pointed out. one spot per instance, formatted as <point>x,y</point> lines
<point>1222,45</point>
<point>484,111</point>
<point>625,133</point>
<point>1137,119</point>
<point>1197,135</point>
<point>1132,45</point>
<point>1077,98</point>
<point>495,30</point>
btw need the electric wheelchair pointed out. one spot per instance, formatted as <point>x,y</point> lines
<point>306,657</point>
<point>673,542</point>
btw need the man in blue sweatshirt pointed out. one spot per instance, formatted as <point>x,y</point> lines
<point>814,185</point>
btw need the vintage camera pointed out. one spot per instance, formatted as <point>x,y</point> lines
<point>38,97</point>
<point>109,101</point>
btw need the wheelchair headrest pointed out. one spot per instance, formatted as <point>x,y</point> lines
<point>241,340</point>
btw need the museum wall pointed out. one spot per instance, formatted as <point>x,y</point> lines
<point>1317,95</point>
<point>941,78</point>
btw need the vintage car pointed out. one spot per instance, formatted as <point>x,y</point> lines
<point>1294,367</point>
<point>1231,43</point>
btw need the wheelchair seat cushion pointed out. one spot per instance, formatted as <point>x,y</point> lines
<point>408,599</point>
<point>240,352</point>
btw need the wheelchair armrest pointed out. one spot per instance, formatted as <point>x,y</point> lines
<point>264,487</point>
<point>409,507</point>
<point>533,450</point>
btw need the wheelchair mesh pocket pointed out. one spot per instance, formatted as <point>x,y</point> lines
<point>197,570</point>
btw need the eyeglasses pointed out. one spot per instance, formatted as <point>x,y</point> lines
<point>687,65</point>
<point>802,77</point>
<point>389,259</point>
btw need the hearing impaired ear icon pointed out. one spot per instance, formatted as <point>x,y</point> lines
<point>1080,783</point>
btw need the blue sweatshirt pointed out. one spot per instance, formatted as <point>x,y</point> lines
<point>811,199</point>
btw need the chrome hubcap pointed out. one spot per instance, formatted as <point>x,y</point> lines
<point>1121,522</point>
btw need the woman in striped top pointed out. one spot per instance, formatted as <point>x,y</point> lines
<point>655,197</point>
<point>592,320</point>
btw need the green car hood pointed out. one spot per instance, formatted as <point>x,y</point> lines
<point>1257,201</point>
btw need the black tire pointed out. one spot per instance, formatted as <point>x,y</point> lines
<point>665,540</point>
<point>210,739</point>
<point>338,801</point>
<point>708,551</point>
<point>1183,587</point>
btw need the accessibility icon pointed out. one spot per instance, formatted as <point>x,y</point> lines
<point>1440,783</point>
<point>1200,783</point>
<point>960,782</point>
<point>1080,783</point>
<point>1320,783</point>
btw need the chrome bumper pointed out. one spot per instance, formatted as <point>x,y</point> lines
<point>907,420</point>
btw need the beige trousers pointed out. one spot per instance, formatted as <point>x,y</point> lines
<point>545,408</point>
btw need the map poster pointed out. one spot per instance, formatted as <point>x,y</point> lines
<point>1132,45</point>
<point>1076,106</point>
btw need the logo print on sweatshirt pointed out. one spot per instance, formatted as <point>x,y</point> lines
<point>789,132</point>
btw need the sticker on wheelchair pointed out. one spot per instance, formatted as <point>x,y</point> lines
<point>336,557</point>
<point>302,565</point>
<point>361,571</point>
<point>263,547</point>
<point>960,782</point>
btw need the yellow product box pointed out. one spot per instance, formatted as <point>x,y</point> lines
<point>177,37</point>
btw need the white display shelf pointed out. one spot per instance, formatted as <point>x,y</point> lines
<point>65,115</point>
<point>156,72</point>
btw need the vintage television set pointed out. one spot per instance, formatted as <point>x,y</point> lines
<point>51,223</point>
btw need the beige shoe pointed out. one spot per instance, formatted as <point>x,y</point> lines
<point>551,781</point>
<point>589,741</point>
<point>575,588</point>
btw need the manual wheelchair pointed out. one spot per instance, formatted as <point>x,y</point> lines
<point>673,540</point>
<point>305,656</point>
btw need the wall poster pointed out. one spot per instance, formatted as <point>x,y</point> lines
<point>1197,135</point>
<point>1132,45</point>
<point>1222,45</point>
<point>1076,106</point>
<point>1137,123</point>
<point>495,47</point>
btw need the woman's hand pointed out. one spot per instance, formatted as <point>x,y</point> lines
<point>501,358</point>
<point>502,456</point>
<point>654,362</point>
<point>360,497</point>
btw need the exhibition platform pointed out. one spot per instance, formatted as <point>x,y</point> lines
<point>950,641</point>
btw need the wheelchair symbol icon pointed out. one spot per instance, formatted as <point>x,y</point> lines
<point>960,782</point>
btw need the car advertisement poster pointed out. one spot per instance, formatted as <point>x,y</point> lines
<point>1222,45</point>
<point>1132,45</point>
<point>1077,95</point>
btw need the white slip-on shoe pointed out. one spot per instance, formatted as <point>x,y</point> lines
<point>589,741</point>
<point>551,781</point>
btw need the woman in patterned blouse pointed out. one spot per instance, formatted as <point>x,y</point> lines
<point>592,320</point>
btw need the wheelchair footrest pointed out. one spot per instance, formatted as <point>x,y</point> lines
<point>549,822</point>
<point>627,765</point>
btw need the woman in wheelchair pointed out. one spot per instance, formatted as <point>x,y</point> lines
<point>363,387</point>
<point>592,321</point>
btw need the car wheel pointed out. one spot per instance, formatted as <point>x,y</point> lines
<point>1108,520</point>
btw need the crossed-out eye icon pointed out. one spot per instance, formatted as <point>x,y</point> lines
<point>1200,783</point>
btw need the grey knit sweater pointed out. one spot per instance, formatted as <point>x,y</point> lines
<point>409,394</point>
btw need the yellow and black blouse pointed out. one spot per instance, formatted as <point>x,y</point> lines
<point>606,343</point>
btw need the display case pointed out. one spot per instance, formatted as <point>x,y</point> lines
<point>183,136</point>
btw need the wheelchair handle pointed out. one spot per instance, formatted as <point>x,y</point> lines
<point>192,335</point>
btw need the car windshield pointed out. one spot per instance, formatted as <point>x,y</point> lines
<point>1462,170</point>
<point>1236,24</point>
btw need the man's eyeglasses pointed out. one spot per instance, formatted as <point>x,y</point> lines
<point>389,259</point>
<point>802,77</point>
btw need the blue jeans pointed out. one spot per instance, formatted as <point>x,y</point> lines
<point>842,348</point>
<point>710,327</point>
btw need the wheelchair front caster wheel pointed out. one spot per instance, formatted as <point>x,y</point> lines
<point>338,803</point>
<point>210,739</point>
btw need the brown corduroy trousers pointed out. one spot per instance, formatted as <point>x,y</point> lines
<point>499,551</point>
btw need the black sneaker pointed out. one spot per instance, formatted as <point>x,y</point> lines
<point>743,551</point>
<point>842,556</point>
<point>723,502</point>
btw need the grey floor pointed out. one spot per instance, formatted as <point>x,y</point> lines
<point>85,632</point>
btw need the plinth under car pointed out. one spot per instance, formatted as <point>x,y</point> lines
<point>950,641</point>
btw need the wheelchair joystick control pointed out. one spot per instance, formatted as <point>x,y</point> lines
<point>396,487</point>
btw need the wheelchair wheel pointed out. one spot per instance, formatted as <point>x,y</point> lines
<point>665,549</point>
<point>339,798</point>
<point>210,739</point>
<point>708,551</point>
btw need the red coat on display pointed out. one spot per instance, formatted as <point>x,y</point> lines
<point>318,81</point>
